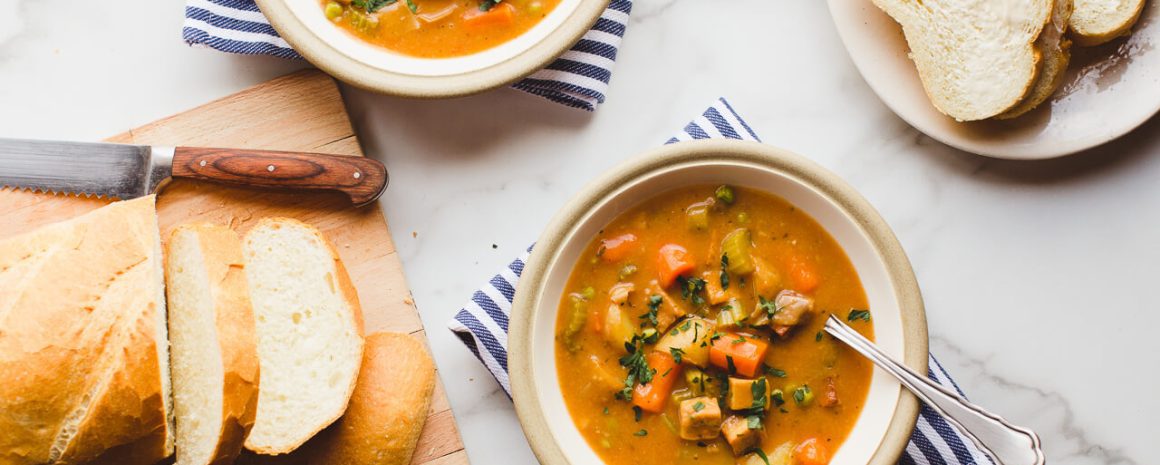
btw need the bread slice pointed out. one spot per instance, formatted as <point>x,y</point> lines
<point>975,59</point>
<point>213,345</point>
<point>1096,22</point>
<point>310,340</point>
<point>1055,48</point>
<point>84,358</point>
<point>388,409</point>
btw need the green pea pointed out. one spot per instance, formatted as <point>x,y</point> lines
<point>333,10</point>
<point>724,194</point>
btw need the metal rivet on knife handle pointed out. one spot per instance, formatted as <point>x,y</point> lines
<point>274,169</point>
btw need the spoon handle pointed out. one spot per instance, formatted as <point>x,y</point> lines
<point>1007,444</point>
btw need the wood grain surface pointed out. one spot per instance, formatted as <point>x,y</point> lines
<point>300,112</point>
<point>360,178</point>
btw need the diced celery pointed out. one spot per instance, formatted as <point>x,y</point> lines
<point>738,247</point>
<point>578,318</point>
<point>724,194</point>
<point>697,216</point>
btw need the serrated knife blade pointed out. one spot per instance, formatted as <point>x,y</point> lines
<point>128,171</point>
<point>104,170</point>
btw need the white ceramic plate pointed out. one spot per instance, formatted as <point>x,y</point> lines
<point>886,420</point>
<point>1108,91</point>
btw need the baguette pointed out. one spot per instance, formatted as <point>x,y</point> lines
<point>83,346</point>
<point>309,327</point>
<point>388,409</point>
<point>214,350</point>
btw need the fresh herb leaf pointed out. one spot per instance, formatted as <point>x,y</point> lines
<point>761,453</point>
<point>372,6</point>
<point>724,274</point>
<point>802,395</point>
<point>769,306</point>
<point>754,422</point>
<point>638,369</point>
<point>758,389</point>
<point>677,353</point>
<point>654,305</point>
<point>412,6</point>
<point>691,290</point>
<point>729,363</point>
<point>818,337</point>
<point>771,371</point>
<point>487,5</point>
<point>606,410</point>
<point>778,398</point>
<point>642,433</point>
<point>686,325</point>
<point>715,336</point>
<point>636,413</point>
<point>739,340</point>
<point>698,406</point>
<point>856,314</point>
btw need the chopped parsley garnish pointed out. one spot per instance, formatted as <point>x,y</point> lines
<point>778,398</point>
<point>856,314</point>
<point>686,325</point>
<point>606,410</point>
<point>729,362</point>
<point>758,389</point>
<point>487,5</point>
<point>642,433</point>
<point>372,6</point>
<point>412,6</point>
<point>715,336</point>
<point>636,413</point>
<point>654,305</point>
<point>818,337</point>
<point>771,371</point>
<point>699,406</point>
<point>638,369</point>
<point>724,274</point>
<point>761,453</point>
<point>754,422</point>
<point>769,306</point>
<point>801,395</point>
<point>649,335</point>
<point>677,353</point>
<point>691,290</point>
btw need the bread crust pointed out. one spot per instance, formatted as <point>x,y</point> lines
<point>350,295</point>
<point>1054,45</point>
<point>221,250</point>
<point>79,341</point>
<point>389,407</point>
<point>1084,37</point>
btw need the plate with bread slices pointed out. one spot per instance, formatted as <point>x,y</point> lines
<point>1015,79</point>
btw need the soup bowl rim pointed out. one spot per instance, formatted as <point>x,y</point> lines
<point>360,64</point>
<point>529,305</point>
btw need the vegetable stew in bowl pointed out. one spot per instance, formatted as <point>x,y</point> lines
<point>437,28</point>
<point>690,331</point>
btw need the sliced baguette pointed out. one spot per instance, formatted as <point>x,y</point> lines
<point>309,324</point>
<point>84,358</point>
<point>213,346</point>
<point>975,59</point>
<point>388,409</point>
<point>1055,48</point>
<point>1096,22</point>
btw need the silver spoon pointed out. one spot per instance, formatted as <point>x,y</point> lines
<point>1007,444</point>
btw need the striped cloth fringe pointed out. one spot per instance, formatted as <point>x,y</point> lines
<point>579,78</point>
<point>482,324</point>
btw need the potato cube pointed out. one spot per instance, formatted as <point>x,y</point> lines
<point>691,338</point>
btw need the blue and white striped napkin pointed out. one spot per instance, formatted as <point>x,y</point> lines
<point>578,78</point>
<point>482,324</point>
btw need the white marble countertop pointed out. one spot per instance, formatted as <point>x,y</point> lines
<point>1039,278</point>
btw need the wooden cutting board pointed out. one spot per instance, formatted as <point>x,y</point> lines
<point>298,112</point>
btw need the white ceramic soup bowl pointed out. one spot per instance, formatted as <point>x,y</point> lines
<point>885,423</point>
<point>304,26</point>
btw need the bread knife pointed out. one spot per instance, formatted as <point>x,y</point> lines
<point>128,171</point>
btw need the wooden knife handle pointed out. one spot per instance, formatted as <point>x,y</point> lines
<point>360,178</point>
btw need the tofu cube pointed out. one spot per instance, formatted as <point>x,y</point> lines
<point>739,435</point>
<point>700,418</point>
